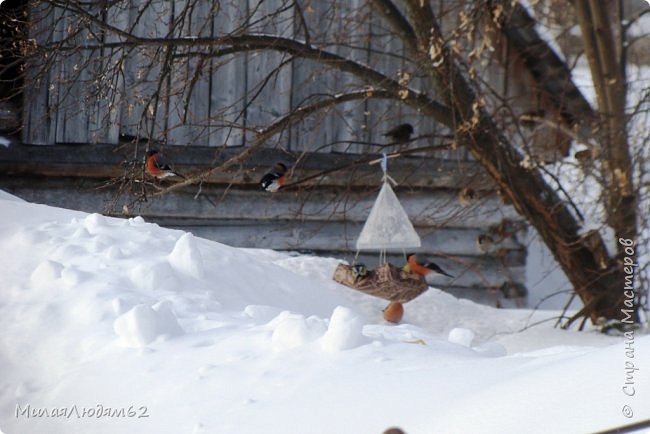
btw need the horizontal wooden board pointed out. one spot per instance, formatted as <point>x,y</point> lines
<point>469,271</point>
<point>432,209</point>
<point>336,237</point>
<point>491,297</point>
<point>109,161</point>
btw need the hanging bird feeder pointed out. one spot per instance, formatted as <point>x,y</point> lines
<point>387,228</point>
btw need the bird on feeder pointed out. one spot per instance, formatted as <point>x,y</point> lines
<point>359,271</point>
<point>274,179</point>
<point>424,269</point>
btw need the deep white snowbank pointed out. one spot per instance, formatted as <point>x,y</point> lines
<point>170,333</point>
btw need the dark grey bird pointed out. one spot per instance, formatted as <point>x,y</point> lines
<point>400,134</point>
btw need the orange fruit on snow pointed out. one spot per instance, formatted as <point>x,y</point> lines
<point>394,312</point>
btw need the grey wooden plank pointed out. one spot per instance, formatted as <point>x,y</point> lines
<point>162,16</point>
<point>103,160</point>
<point>189,101</point>
<point>493,297</point>
<point>353,32</point>
<point>323,205</point>
<point>143,114</point>
<point>38,124</point>
<point>268,74</point>
<point>318,131</point>
<point>221,202</point>
<point>313,81</point>
<point>469,270</point>
<point>227,82</point>
<point>130,107</point>
<point>336,236</point>
<point>75,78</point>
<point>105,113</point>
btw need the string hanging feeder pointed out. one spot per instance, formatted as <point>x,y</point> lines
<point>387,227</point>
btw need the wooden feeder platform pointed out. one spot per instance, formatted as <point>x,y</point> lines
<point>386,281</point>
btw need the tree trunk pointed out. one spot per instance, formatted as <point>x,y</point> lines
<point>621,202</point>
<point>597,279</point>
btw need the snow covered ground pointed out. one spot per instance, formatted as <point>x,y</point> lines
<point>121,326</point>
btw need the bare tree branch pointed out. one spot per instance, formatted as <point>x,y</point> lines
<point>268,132</point>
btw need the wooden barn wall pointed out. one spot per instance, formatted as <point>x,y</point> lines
<point>323,216</point>
<point>80,100</point>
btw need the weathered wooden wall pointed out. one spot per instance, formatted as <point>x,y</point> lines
<point>323,216</point>
<point>176,98</point>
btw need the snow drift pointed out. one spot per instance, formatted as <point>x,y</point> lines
<point>117,325</point>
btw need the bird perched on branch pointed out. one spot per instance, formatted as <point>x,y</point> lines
<point>424,269</point>
<point>400,134</point>
<point>274,179</point>
<point>467,196</point>
<point>485,244</point>
<point>157,166</point>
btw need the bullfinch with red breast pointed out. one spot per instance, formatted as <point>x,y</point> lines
<point>274,179</point>
<point>424,270</point>
<point>157,166</point>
